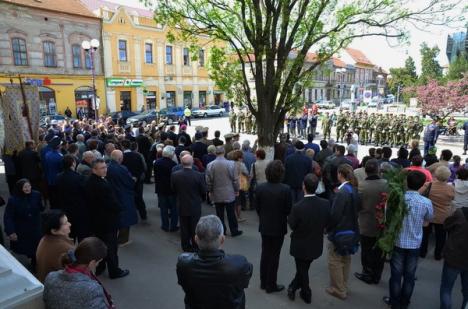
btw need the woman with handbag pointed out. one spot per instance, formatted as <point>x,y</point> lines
<point>343,232</point>
<point>244,183</point>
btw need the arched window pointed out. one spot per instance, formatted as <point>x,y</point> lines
<point>76,53</point>
<point>20,53</point>
<point>50,57</point>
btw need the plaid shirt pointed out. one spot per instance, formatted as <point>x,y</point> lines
<point>419,210</point>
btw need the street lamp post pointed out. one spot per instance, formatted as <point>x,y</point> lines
<point>341,72</point>
<point>90,48</point>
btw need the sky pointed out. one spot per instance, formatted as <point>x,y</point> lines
<point>386,55</point>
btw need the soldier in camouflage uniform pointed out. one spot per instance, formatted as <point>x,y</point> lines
<point>409,127</point>
<point>378,125</point>
<point>340,127</point>
<point>418,128</point>
<point>364,132</point>
<point>233,120</point>
<point>371,125</point>
<point>384,129</point>
<point>354,123</point>
<point>241,119</point>
<point>402,131</point>
<point>326,126</point>
<point>248,122</point>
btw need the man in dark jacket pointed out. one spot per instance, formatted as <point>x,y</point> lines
<point>105,211</point>
<point>29,165</point>
<point>211,278</point>
<point>430,135</point>
<point>273,205</point>
<point>166,198</point>
<point>297,166</point>
<point>70,188</point>
<point>331,168</point>
<point>199,148</point>
<point>308,220</point>
<point>136,166</point>
<point>456,257</point>
<point>144,146</point>
<point>190,188</point>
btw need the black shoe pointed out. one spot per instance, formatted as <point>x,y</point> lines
<point>306,296</point>
<point>165,229</point>
<point>236,233</point>
<point>364,277</point>
<point>175,229</point>
<point>291,293</point>
<point>438,257</point>
<point>120,274</point>
<point>277,288</point>
<point>422,254</point>
<point>386,300</point>
<point>262,286</point>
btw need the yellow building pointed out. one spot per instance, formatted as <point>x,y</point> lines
<point>143,70</point>
<point>41,41</point>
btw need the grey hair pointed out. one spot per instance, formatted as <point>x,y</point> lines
<point>236,146</point>
<point>168,151</point>
<point>352,149</point>
<point>211,149</point>
<point>246,144</point>
<point>209,231</point>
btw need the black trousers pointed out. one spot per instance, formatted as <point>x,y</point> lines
<point>53,197</point>
<point>187,232</point>
<point>112,259</point>
<point>372,258</point>
<point>231,215</point>
<point>301,280</point>
<point>440,235</point>
<point>139,202</point>
<point>271,249</point>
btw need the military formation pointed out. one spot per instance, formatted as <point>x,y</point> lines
<point>378,129</point>
<point>242,121</point>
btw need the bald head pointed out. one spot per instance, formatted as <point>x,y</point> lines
<point>117,156</point>
<point>187,161</point>
<point>184,153</point>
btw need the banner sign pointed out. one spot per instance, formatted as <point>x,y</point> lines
<point>122,82</point>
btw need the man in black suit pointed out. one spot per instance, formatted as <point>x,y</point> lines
<point>29,165</point>
<point>70,188</point>
<point>172,135</point>
<point>273,205</point>
<point>199,149</point>
<point>104,211</point>
<point>144,146</point>
<point>308,220</point>
<point>136,166</point>
<point>210,278</point>
<point>297,166</point>
<point>190,188</point>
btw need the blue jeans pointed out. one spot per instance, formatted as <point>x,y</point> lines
<point>449,276</point>
<point>168,209</point>
<point>427,145</point>
<point>403,264</point>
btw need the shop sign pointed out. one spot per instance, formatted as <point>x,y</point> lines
<point>121,82</point>
<point>34,82</point>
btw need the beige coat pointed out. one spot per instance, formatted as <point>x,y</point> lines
<point>49,253</point>
<point>441,196</point>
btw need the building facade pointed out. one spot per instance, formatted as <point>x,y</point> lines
<point>143,70</point>
<point>363,72</point>
<point>457,44</point>
<point>41,42</point>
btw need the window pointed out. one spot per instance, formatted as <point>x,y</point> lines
<point>20,53</point>
<point>201,57</point>
<point>168,54</point>
<point>50,59</point>
<point>122,50</point>
<point>149,53</point>
<point>76,53</point>
<point>88,63</point>
<point>186,56</point>
<point>170,98</point>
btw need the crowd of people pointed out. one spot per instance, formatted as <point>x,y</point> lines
<point>76,195</point>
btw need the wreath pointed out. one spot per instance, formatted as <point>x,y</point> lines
<point>391,210</point>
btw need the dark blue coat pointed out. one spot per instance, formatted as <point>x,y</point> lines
<point>22,216</point>
<point>296,167</point>
<point>162,175</point>
<point>430,134</point>
<point>123,185</point>
<point>53,166</point>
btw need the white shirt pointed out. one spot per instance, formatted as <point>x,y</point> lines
<point>341,186</point>
<point>307,195</point>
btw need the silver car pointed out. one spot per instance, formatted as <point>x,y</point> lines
<point>209,111</point>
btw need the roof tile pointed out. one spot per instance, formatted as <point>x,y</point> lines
<point>74,7</point>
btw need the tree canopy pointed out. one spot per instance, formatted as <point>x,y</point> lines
<point>430,67</point>
<point>272,38</point>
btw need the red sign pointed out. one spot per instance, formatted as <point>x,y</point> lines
<point>47,81</point>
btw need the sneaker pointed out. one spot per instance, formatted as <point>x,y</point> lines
<point>334,293</point>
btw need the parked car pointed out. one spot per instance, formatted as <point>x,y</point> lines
<point>346,104</point>
<point>212,110</point>
<point>325,104</point>
<point>172,113</point>
<point>144,117</point>
<point>124,115</point>
<point>373,103</point>
<point>48,119</point>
